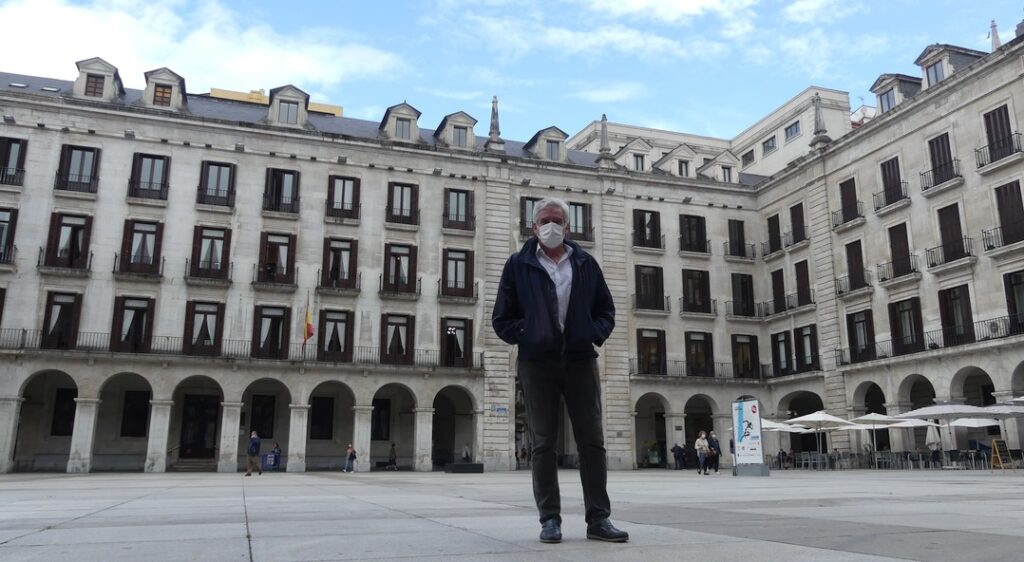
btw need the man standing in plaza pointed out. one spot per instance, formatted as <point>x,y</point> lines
<point>253,455</point>
<point>554,304</point>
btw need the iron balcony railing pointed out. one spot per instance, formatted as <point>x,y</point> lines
<point>808,364</point>
<point>148,190</point>
<point>738,250</point>
<point>998,150</point>
<point>940,174</point>
<point>281,204</point>
<point>585,234</point>
<point>896,269</point>
<point>853,281</point>
<point>655,367</point>
<point>744,308</point>
<point>641,240</point>
<point>458,221</point>
<point>7,254</point>
<point>704,306</point>
<point>1002,236</point>
<point>891,195</point>
<point>100,342</point>
<point>63,260</point>
<point>124,263</point>
<point>847,214</point>
<point>787,302</point>
<point>651,302</point>
<point>221,198</point>
<point>274,273</point>
<point>83,183</point>
<point>343,210</point>
<point>694,246</point>
<point>208,269</point>
<point>12,176</point>
<point>349,281</point>
<point>795,236</point>
<point>402,216</point>
<point>399,285</point>
<point>950,252</point>
<point>452,288</point>
<point>771,245</point>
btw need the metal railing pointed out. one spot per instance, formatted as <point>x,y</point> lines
<point>998,150</point>
<point>1002,236</point>
<point>940,174</point>
<point>744,309</point>
<point>853,282</point>
<point>100,342</point>
<point>399,285</point>
<point>894,270</point>
<point>737,250</point>
<point>951,252</point>
<point>845,215</point>
<point>584,235</point>
<point>795,236</point>
<point>890,195</point>
<point>12,176</point>
<point>795,368</point>
<point>273,273</point>
<point>402,216</point>
<point>125,264</point>
<point>786,302</point>
<point>148,190</point>
<point>717,370</point>
<point>642,241</point>
<point>695,246</point>
<point>328,281</point>
<point>281,204</point>
<point>343,211</point>
<point>458,289</point>
<point>771,245</point>
<point>458,221</point>
<point>82,262</point>
<point>225,198</point>
<point>208,269</point>
<point>82,183</point>
<point>651,302</point>
<point>7,254</point>
<point>708,306</point>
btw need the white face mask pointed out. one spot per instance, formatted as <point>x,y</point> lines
<point>551,235</point>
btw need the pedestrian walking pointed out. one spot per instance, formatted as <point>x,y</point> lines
<point>392,459</point>
<point>252,459</point>
<point>679,454</point>
<point>350,459</point>
<point>701,446</point>
<point>714,452</point>
<point>467,454</point>
<point>275,461</point>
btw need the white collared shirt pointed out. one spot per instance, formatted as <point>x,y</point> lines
<point>561,275</point>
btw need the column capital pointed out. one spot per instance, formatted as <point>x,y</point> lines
<point>232,404</point>
<point>423,410</point>
<point>11,399</point>
<point>301,406</point>
<point>358,408</point>
<point>161,402</point>
<point>87,401</point>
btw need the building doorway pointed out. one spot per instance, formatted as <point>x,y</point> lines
<point>199,419</point>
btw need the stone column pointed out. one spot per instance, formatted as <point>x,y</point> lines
<point>159,426</point>
<point>362,419</point>
<point>636,443</point>
<point>227,451</point>
<point>721,424</point>
<point>297,429</point>
<point>478,439</point>
<point>83,434</point>
<point>10,413</point>
<point>673,435</point>
<point>900,439</point>
<point>424,440</point>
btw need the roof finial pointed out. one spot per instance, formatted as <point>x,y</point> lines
<point>494,142</point>
<point>994,34</point>
<point>821,137</point>
<point>605,159</point>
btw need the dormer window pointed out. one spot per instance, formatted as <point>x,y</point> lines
<point>403,128</point>
<point>162,95</point>
<point>552,149</point>
<point>94,85</point>
<point>936,73</point>
<point>460,136</point>
<point>638,162</point>
<point>793,130</point>
<point>684,168</point>
<point>887,100</point>
<point>727,174</point>
<point>288,112</point>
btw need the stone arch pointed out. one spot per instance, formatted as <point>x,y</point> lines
<point>796,404</point>
<point>917,391</point>
<point>699,411</point>
<point>393,420</point>
<point>266,410</point>
<point>973,385</point>
<point>331,425</point>
<point>1017,380</point>
<point>650,430</point>
<point>453,426</point>
<point>194,435</point>
<point>122,423</point>
<point>45,422</point>
<point>869,398</point>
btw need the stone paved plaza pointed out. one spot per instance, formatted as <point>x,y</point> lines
<point>790,516</point>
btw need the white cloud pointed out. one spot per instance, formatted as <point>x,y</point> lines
<point>206,44</point>
<point>820,11</point>
<point>668,11</point>
<point>369,112</point>
<point>611,93</point>
<point>452,94</point>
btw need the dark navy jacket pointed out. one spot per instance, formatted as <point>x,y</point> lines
<point>254,445</point>
<point>526,308</point>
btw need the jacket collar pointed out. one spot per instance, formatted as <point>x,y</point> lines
<point>529,252</point>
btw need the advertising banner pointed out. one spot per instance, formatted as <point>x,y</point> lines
<point>746,423</point>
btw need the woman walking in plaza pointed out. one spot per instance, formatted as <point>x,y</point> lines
<point>701,446</point>
<point>350,459</point>
<point>714,453</point>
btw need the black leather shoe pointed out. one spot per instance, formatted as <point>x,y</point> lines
<point>551,531</point>
<point>603,530</point>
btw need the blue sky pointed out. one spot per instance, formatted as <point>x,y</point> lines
<point>708,67</point>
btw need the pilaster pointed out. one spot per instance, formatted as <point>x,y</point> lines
<point>10,414</point>
<point>297,429</point>
<point>424,439</point>
<point>159,427</point>
<point>227,449</point>
<point>83,435</point>
<point>362,419</point>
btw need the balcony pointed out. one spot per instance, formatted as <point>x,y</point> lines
<point>796,237</point>
<point>63,265</point>
<point>402,219</point>
<point>707,308</point>
<point>215,198</point>
<point>651,304</point>
<point>207,272</point>
<point>289,205</point>
<point>787,303</point>
<point>458,222</point>
<point>7,256</point>
<point>644,244</point>
<point>1003,242</point>
<point>350,285</point>
<point>771,248</point>
<point>457,292</point>
<point>12,176</point>
<point>162,346</point>
<point>939,179</point>
<point>150,191</point>
<point>342,211</point>
<point>651,367</point>
<point>694,248</point>
<point>854,284</point>
<point>893,274</point>
<point>998,155</point>
<point>78,183</point>
<point>125,268</point>
<point>273,277</point>
<point>399,287</point>
<point>742,310</point>
<point>848,218</point>
<point>951,257</point>
<point>734,251</point>
<point>891,198</point>
<point>585,235</point>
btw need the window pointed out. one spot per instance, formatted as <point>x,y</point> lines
<point>12,161</point>
<point>94,85</point>
<point>700,359</point>
<point>217,184</point>
<point>77,171</point>
<point>380,425</point>
<point>781,352</point>
<point>282,191</point>
<point>60,321</point>
<point>768,146</point>
<point>892,184</point>
<point>778,291</point>
<point>339,267</point>
<point>8,225</point>
<point>774,234</point>
<point>805,341</point>
<point>526,215</point>
<point>458,209</point>
<point>335,338</point>
<point>727,174</point>
<point>796,221</point>
<point>321,418</point>
<point>271,332</point>
<point>1002,141</point>
<point>149,176</point>
<point>162,95</point>
<point>650,293</point>
<point>887,100</point>
<point>277,258</point>
<point>693,234</point>
<point>899,249</point>
<point>650,345</point>
<point>397,339</point>
<point>952,236</point>
<point>638,162</point>
<point>1013,286</point>
<point>696,291</point>
<point>63,412</point>
<point>906,326</point>
<point>955,313</point>
<point>399,268</point>
<point>288,112</point>
<point>737,245</point>
<point>861,335</point>
<point>457,342</point>
<point>132,328</point>
<point>747,158</point>
<point>457,276</point>
<point>647,229</point>
<point>803,284</point>
<point>460,136</point>
<point>936,73</point>
<point>793,130</point>
<point>1011,214</point>
<point>210,249</point>
<point>204,326</point>
<point>402,203</point>
<point>848,200</point>
<point>140,247</point>
<point>742,295</point>
<point>553,149</point>
<point>261,419</point>
<point>68,244</point>
<point>746,363</point>
<point>855,266</point>
<point>135,414</point>
<point>343,197</point>
<point>403,128</point>
<point>683,167</point>
<point>579,222</point>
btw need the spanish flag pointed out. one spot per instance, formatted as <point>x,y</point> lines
<point>309,321</point>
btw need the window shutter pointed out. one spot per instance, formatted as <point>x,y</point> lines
<point>257,316</point>
<point>638,231</point>
<point>412,268</point>
<point>204,176</point>
<point>13,226</point>
<point>325,274</point>
<point>197,239</point>
<point>915,302</point>
<point>218,338</point>
<point>264,248</point>
<point>467,347</point>
<point>84,259</point>
<point>126,245</point>
<point>330,191</point>
<point>470,283</point>
<point>225,260</point>
<point>662,353</point>
<point>735,353</point>
<point>20,164</point>
<point>231,179</point>
<point>167,171</point>
<point>447,205</point>
<point>524,221</point>
<point>391,199</point>
<point>53,239</point>
<point>286,332</point>
<point>76,319</point>
<point>815,360</point>
<point>96,164</point>
<point>414,211</point>
<point>147,344</point>
<point>293,248</point>
<point>296,193</point>
<point>709,351</point>
<point>410,348</point>
<point>157,246</point>
<point>444,270</point>
<point>755,356</point>
<point>349,330</point>
<point>383,338</point>
<point>470,213</point>
<point>896,333</point>
<point>266,186</point>
<point>186,342</point>
<point>353,266</point>
<point>115,324</point>
<point>321,344</point>
<point>387,264</point>
<point>355,195</point>
<point>65,162</point>
<point>588,223</point>
<point>136,167</point>
<point>870,320</point>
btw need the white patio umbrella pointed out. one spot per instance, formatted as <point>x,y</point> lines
<point>854,427</point>
<point>819,421</point>
<point>1018,400</point>
<point>873,420</point>
<point>788,429</point>
<point>946,412</point>
<point>973,422</point>
<point>912,423</point>
<point>767,424</point>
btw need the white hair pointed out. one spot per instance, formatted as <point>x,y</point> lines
<point>550,202</point>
